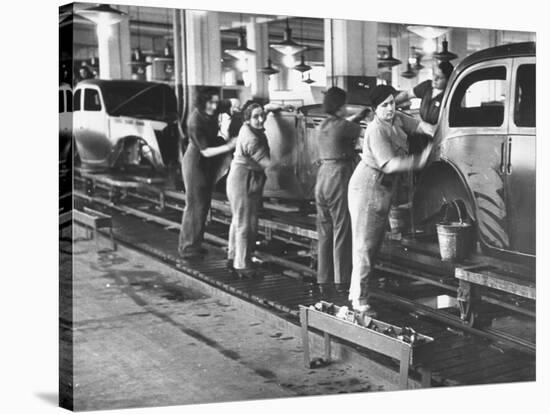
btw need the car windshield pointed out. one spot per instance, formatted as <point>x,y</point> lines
<point>151,101</point>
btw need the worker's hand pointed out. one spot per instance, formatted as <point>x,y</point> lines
<point>365,113</point>
<point>423,159</point>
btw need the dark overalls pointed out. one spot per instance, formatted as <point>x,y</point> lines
<point>337,138</point>
<point>199,179</point>
<point>429,112</point>
<point>370,195</point>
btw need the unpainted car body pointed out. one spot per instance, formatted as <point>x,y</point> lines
<point>485,150</point>
<point>119,123</point>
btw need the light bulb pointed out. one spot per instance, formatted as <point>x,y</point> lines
<point>288,61</point>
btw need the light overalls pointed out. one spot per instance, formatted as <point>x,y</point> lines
<point>370,195</point>
<point>245,184</point>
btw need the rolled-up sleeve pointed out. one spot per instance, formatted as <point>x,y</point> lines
<point>256,149</point>
<point>408,123</point>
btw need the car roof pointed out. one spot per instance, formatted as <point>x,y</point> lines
<point>119,82</point>
<point>498,52</point>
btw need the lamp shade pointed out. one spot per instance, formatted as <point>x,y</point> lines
<point>309,81</point>
<point>102,14</point>
<point>389,61</point>
<point>269,69</point>
<point>427,32</point>
<point>287,46</point>
<point>445,55</point>
<point>241,51</point>
<point>409,73</point>
<point>302,67</point>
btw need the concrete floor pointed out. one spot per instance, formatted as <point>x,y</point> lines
<point>142,338</point>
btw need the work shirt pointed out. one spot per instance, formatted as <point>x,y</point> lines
<point>252,147</point>
<point>429,105</point>
<point>337,138</point>
<point>203,132</point>
<point>386,140</point>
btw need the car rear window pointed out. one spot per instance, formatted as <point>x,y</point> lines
<point>61,102</point>
<point>479,100</point>
<point>69,101</point>
<point>76,105</point>
<point>525,106</point>
<point>91,100</point>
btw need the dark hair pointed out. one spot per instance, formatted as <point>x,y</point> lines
<point>204,95</point>
<point>224,107</point>
<point>247,111</point>
<point>446,68</point>
<point>333,100</point>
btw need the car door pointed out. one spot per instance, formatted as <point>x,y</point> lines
<point>521,157</point>
<point>475,134</point>
<point>91,127</point>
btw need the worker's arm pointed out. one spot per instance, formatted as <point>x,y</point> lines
<point>404,96</point>
<point>209,152</point>
<point>407,162</point>
<point>358,117</point>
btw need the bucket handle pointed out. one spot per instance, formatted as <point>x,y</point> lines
<point>458,209</point>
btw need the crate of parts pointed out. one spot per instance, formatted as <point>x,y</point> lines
<point>406,345</point>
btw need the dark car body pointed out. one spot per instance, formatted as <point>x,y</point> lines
<point>485,149</point>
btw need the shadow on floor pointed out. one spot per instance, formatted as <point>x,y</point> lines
<point>51,398</point>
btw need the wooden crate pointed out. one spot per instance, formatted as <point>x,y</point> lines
<point>415,354</point>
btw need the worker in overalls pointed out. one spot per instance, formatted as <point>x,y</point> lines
<point>245,184</point>
<point>199,172</point>
<point>337,138</point>
<point>373,184</point>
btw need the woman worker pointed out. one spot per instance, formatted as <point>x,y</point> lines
<point>337,137</point>
<point>430,93</point>
<point>198,173</point>
<point>373,184</point>
<point>245,184</point>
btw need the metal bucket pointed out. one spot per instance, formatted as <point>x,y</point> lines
<point>455,239</point>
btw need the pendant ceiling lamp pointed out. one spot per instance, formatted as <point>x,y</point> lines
<point>167,51</point>
<point>138,59</point>
<point>287,46</point>
<point>102,14</point>
<point>428,32</point>
<point>302,67</point>
<point>269,69</point>
<point>418,66</point>
<point>409,73</point>
<point>241,51</point>
<point>308,80</point>
<point>445,55</point>
<point>389,61</point>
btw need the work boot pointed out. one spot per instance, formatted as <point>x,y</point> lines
<point>229,264</point>
<point>246,273</point>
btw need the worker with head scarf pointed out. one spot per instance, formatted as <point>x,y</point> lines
<point>245,184</point>
<point>336,140</point>
<point>199,174</point>
<point>373,184</point>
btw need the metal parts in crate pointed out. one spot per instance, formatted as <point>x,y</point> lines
<point>403,344</point>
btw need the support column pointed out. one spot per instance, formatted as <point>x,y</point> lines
<point>351,56</point>
<point>257,39</point>
<point>458,43</point>
<point>203,48</point>
<point>114,50</point>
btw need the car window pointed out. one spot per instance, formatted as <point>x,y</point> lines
<point>76,106</point>
<point>525,105</point>
<point>479,99</point>
<point>61,102</point>
<point>91,100</point>
<point>69,101</point>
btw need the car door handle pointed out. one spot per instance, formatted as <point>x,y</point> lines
<point>509,156</point>
<point>502,157</point>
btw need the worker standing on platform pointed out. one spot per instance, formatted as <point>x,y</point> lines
<point>245,184</point>
<point>337,138</point>
<point>373,184</point>
<point>199,176</point>
<point>431,94</point>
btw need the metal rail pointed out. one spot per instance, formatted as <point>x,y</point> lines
<point>450,320</point>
